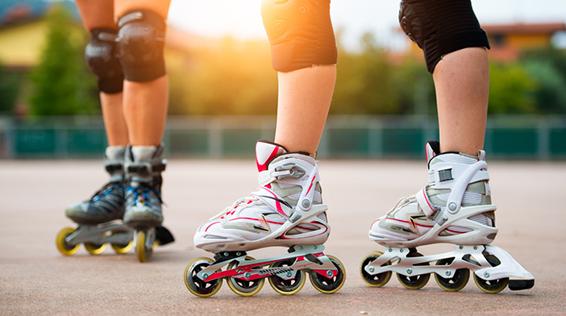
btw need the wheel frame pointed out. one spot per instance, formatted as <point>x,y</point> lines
<point>62,245</point>
<point>272,280</point>
<point>237,288</point>
<point>365,276</point>
<point>460,274</point>
<point>341,269</point>
<point>188,270</point>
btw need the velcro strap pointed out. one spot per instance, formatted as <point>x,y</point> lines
<point>114,167</point>
<point>425,204</point>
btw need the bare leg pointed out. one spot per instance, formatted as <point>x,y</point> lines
<point>145,108</point>
<point>462,88</point>
<point>114,122</point>
<point>145,103</point>
<point>304,100</point>
<point>100,14</point>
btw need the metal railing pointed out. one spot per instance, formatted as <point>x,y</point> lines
<point>360,137</point>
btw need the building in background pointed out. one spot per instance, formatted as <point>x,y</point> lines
<point>510,39</point>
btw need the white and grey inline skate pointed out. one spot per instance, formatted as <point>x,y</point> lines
<point>455,207</point>
<point>99,218</point>
<point>286,211</point>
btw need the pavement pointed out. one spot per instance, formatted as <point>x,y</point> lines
<point>36,280</point>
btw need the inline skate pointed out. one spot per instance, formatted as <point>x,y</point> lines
<point>99,218</point>
<point>455,207</point>
<point>285,211</point>
<point>143,210</point>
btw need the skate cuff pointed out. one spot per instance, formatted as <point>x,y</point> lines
<point>424,203</point>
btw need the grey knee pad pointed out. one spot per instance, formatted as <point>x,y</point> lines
<point>101,57</point>
<point>141,40</point>
<point>441,27</point>
<point>300,33</point>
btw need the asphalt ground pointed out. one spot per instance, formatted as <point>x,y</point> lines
<point>36,280</point>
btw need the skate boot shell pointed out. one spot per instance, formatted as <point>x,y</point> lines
<point>286,211</point>
<point>99,217</point>
<point>456,208</point>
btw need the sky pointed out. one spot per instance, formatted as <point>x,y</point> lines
<point>242,18</point>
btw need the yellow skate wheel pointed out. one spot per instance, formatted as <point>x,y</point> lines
<point>122,249</point>
<point>454,283</point>
<point>94,249</point>
<point>375,280</point>
<point>64,248</point>
<point>242,287</point>
<point>194,284</point>
<point>143,253</point>
<point>491,286</point>
<point>416,282</point>
<point>329,285</point>
<point>287,286</point>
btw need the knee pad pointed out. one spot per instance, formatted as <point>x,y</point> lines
<point>141,40</point>
<point>441,27</point>
<point>101,57</point>
<point>300,33</point>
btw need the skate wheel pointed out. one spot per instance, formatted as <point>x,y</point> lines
<point>244,287</point>
<point>64,248</point>
<point>375,280</point>
<point>287,286</point>
<point>94,249</point>
<point>455,283</point>
<point>329,285</point>
<point>491,286</point>
<point>415,282</point>
<point>122,249</point>
<point>142,251</point>
<point>194,284</point>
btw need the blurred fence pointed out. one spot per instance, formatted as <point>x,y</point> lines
<point>540,138</point>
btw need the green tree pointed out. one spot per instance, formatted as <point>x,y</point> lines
<point>10,83</point>
<point>512,90</point>
<point>61,83</point>
<point>365,81</point>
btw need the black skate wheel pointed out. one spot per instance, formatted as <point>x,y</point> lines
<point>415,282</point>
<point>64,248</point>
<point>455,283</point>
<point>194,284</point>
<point>94,249</point>
<point>287,286</point>
<point>491,286</point>
<point>375,280</point>
<point>244,287</point>
<point>328,285</point>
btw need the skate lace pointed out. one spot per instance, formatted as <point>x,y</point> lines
<point>143,193</point>
<point>238,204</point>
<point>105,190</point>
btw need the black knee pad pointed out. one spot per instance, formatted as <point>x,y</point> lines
<point>101,57</point>
<point>441,27</point>
<point>300,33</point>
<point>141,40</point>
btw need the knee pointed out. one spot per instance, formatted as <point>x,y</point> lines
<point>101,57</point>
<point>441,27</point>
<point>300,33</point>
<point>141,41</point>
